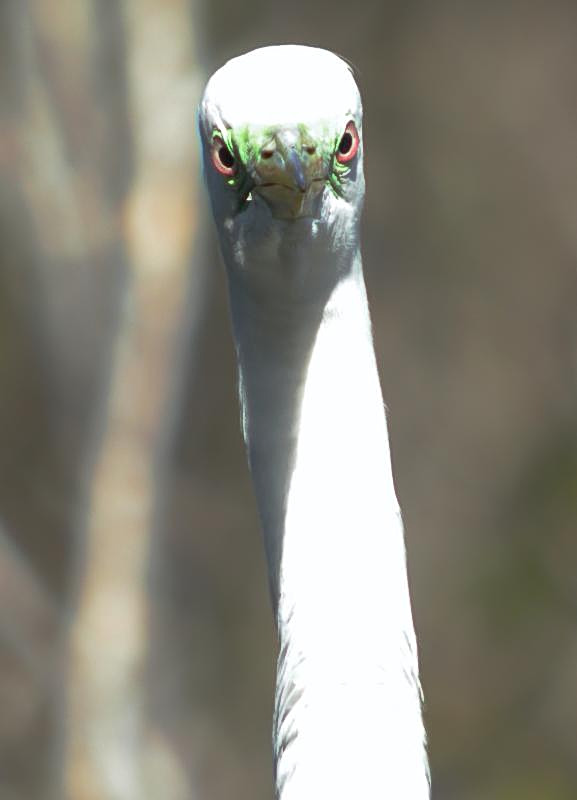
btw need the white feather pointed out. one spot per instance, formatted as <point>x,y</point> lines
<point>286,80</point>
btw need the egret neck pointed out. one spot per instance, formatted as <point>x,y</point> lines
<point>347,711</point>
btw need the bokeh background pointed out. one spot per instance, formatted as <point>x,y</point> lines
<point>136,641</point>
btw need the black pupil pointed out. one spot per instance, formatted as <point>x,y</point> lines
<point>226,157</point>
<point>346,143</point>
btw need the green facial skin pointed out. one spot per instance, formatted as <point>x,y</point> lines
<point>246,146</point>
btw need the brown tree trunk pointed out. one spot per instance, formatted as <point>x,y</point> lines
<point>111,753</point>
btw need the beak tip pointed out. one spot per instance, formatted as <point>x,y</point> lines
<point>297,170</point>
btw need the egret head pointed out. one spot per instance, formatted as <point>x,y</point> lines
<point>281,129</point>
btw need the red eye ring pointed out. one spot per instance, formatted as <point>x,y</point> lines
<point>222,159</point>
<point>349,144</point>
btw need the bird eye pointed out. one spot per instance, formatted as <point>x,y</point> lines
<point>222,159</point>
<point>349,144</point>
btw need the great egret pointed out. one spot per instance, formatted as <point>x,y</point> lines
<point>281,129</point>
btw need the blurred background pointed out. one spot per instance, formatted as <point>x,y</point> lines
<point>136,641</point>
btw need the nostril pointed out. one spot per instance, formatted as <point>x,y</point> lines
<point>266,152</point>
<point>310,149</point>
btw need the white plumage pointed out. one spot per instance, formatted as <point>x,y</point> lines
<point>282,136</point>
